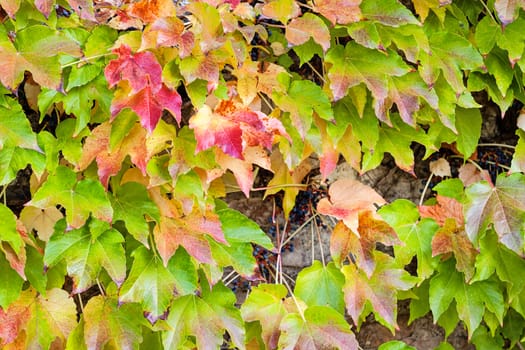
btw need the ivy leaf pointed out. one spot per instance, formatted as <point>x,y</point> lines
<point>339,12</point>
<point>507,10</point>
<point>189,232</point>
<point>86,251</point>
<point>321,327</point>
<point>406,92</point>
<point>414,233</point>
<point>350,66</point>
<point>281,10</point>
<point>468,125</point>
<point>13,159</point>
<point>348,197</point>
<point>148,283</point>
<point>148,103</point>
<point>168,32</point>
<point>362,248</point>
<point>15,130</point>
<point>511,41</point>
<point>109,159</point>
<point>487,34</point>
<point>328,281</point>
<point>233,128</point>
<point>132,205</point>
<point>37,321</point>
<point>204,318</point>
<point>9,232</point>
<point>301,100</point>
<point>265,304</point>
<point>140,70</point>
<point>387,12</point>
<point>501,206</point>
<point>149,11</point>
<point>78,198</point>
<point>450,54</point>
<point>380,290</point>
<point>37,49</point>
<point>84,9</point>
<point>238,228</point>
<point>471,299</point>
<point>105,321</point>
<point>144,92</point>
<point>9,292</point>
<point>301,29</point>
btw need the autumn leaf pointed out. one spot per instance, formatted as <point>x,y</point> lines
<point>233,128</point>
<point>321,327</point>
<point>105,321</point>
<point>190,232</point>
<point>168,32</point>
<point>281,10</point>
<point>109,159</point>
<point>145,93</point>
<point>79,198</point>
<point>37,49</point>
<point>469,174</point>
<point>380,290</point>
<point>446,208</point>
<point>265,304</point>
<point>301,29</point>
<point>349,197</point>
<point>150,10</point>
<point>86,251</point>
<point>348,69</point>
<point>84,9</point>
<point>362,247</point>
<point>501,206</point>
<point>36,321</point>
<point>148,283</point>
<point>507,10</point>
<point>440,167</point>
<point>339,12</point>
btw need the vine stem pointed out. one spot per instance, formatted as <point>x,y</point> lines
<point>489,12</point>
<point>319,75</point>
<point>102,292</point>
<point>502,145</point>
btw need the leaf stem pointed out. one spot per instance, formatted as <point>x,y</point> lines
<point>102,292</point>
<point>319,75</point>
<point>422,198</point>
<point>489,12</point>
<point>291,236</point>
<point>294,300</point>
<point>85,59</point>
<point>320,242</point>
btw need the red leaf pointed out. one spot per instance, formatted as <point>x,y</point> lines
<point>139,69</point>
<point>233,128</point>
<point>148,104</point>
<point>84,9</point>
<point>339,12</point>
<point>348,197</point>
<point>44,6</point>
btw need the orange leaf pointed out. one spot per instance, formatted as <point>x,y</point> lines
<point>149,10</point>
<point>339,12</point>
<point>348,197</point>
<point>168,32</point>
<point>445,208</point>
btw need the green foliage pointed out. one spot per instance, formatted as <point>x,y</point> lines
<point>135,119</point>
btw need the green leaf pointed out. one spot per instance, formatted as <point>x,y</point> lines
<point>395,345</point>
<point>34,269</point>
<point>307,51</point>
<point>107,322</point>
<point>499,66</point>
<point>100,41</point>
<point>237,255</point>
<point>10,291</point>
<point>86,251</point>
<point>9,233</point>
<point>512,41</point>
<point>301,100</point>
<point>328,281</point>
<point>15,130</point>
<point>132,205</point>
<point>387,12</point>
<point>36,49</point>
<point>238,228</point>
<point>148,283</point>
<point>79,198</point>
<point>14,159</point>
<point>450,54</point>
<point>416,234</point>
<point>322,327</point>
<point>468,125</point>
<point>82,75</point>
<point>487,34</point>
<point>182,267</point>
<point>192,316</point>
<point>501,206</point>
<point>265,304</point>
<point>496,258</point>
<point>485,341</point>
<point>350,66</point>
